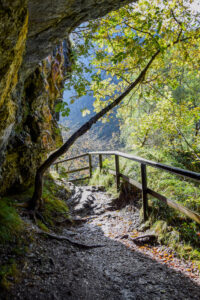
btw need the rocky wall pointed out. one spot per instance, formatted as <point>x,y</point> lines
<point>34,131</point>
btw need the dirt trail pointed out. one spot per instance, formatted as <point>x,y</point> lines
<point>119,270</point>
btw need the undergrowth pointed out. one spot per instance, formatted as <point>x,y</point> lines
<point>104,179</point>
<point>175,230</point>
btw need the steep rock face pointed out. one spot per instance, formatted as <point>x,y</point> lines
<point>35,132</point>
<point>32,70</point>
<point>50,21</point>
<point>13,35</point>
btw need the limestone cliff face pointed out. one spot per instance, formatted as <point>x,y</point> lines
<point>35,131</point>
<point>34,60</point>
<point>13,35</point>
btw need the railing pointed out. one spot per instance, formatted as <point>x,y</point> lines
<point>141,186</point>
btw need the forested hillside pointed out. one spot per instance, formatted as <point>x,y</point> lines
<point>82,110</point>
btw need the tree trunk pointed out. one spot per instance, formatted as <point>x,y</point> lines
<point>36,200</point>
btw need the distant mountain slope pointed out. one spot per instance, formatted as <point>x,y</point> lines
<point>75,118</point>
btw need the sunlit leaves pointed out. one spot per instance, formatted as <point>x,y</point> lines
<point>164,109</point>
<point>62,107</point>
<point>85,112</point>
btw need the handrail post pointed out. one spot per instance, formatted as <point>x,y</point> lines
<point>117,172</point>
<point>144,191</point>
<point>90,164</point>
<point>100,162</point>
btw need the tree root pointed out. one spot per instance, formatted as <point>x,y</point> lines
<point>32,214</point>
<point>23,205</point>
<point>61,238</point>
<point>144,236</point>
<point>40,216</point>
<point>35,215</point>
<point>74,221</point>
<point>139,238</point>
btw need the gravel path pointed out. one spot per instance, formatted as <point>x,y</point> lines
<point>58,270</point>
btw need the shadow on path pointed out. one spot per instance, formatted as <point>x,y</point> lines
<point>61,271</point>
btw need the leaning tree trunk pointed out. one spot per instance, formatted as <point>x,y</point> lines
<point>35,201</point>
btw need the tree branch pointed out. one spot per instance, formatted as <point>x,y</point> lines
<point>35,201</point>
<point>186,141</point>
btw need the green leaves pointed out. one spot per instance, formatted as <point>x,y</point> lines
<point>119,57</point>
<point>159,26</point>
<point>119,45</point>
<point>63,108</point>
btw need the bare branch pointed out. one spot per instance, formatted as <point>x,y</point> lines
<point>186,141</point>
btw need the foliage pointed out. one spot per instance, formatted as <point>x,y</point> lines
<point>91,141</point>
<point>164,110</point>
<point>123,41</point>
<point>170,123</point>
<point>184,191</point>
<point>63,108</point>
<point>13,241</point>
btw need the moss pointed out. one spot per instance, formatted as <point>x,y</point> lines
<point>195,255</point>
<point>177,238</point>
<point>11,160</point>
<point>42,226</point>
<point>11,225</point>
<point>160,228</point>
<point>8,272</point>
<point>10,79</point>
<point>198,264</point>
<point>54,206</point>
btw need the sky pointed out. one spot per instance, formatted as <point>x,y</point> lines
<point>196,5</point>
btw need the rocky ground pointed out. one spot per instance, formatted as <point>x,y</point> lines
<point>118,269</point>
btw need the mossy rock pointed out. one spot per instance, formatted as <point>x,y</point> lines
<point>173,237</point>
<point>144,226</point>
<point>160,227</point>
<point>195,255</point>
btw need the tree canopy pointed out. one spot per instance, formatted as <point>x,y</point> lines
<point>164,110</point>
